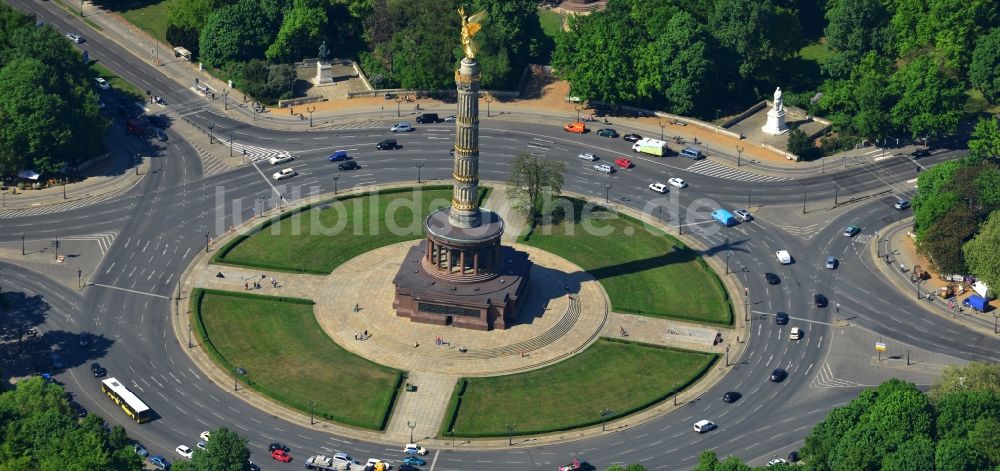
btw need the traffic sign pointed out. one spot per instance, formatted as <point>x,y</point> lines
<point>879,346</point>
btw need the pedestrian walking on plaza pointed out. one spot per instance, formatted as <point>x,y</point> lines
<point>246,285</point>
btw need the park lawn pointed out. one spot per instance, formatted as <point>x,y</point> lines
<point>151,18</point>
<point>551,21</point>
<point>817,51</point>
<point>643,270</point>
<point>117,82</point>
<point>288,357</point>
<point>622,377</point>
<point>321,251</point>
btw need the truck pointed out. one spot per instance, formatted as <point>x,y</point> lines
<point>651,146</point>
<point>326,463</point>
<point>724,217</point>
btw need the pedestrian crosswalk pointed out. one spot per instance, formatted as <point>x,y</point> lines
<point>369,124</point>
<point>717,170</point>
<point>68,205</point>
<point>252,153</point>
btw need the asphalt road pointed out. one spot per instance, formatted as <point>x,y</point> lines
<point>164,221</point>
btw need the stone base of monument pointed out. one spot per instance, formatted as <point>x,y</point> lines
<point>324,75</point>
<point>775,122</point>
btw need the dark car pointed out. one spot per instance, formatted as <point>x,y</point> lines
<point>387,144</point>
<point>84,339</point>
<point>607,132</point>
<point>338,156</point>
<point>349,165</point>
<point>278,446</point>
<point>632,137</point>
<point>140,450</point>
<point>778,375</point>
<point>160,462</point>
<point>781,318</point>
<point>901,204</point>
<point>427,118</point>
<point>78,409</point>
<point>731,397</point>
<point>772,279</point>
<point>98,370</point>
<point>408,467</point>
<point>793,457</point>
<point>920,153</point>
<point>819,300</point>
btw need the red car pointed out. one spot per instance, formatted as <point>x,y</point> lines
<point>624,163</point>
<point>281,455</point>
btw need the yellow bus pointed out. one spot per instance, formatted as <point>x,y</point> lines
<point>130,403</point>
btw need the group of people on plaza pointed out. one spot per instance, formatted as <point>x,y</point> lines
<point>247,285</point>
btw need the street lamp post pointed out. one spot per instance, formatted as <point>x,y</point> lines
<point>675,394</point>
<point>22,245</point>
<point>510,434</point>
<point>836,193</point>
<point>230,142</point>
<point>335,178</point>
<point>663,124</point>
<point>211,135</point>
<point>412,426</point>
<point>236,384</point>
<point>420,165</point>
<point>746,306</point>
<point>727,261</point>
<point>739,155</point>
<point>996,319</point>
<point>488,99</point>
<point>607,193</point>
<point>138,161</point>
<point>399,100</point>
<point>579,108</point>
<point>312,412</point>
<point>803,201</point>
<point>604,414</point>
<point>79,278</point>
<point>727,355</point>
<point>64,187</point>
<point>310,109</point>
<point>207,239</point>
<point>225,99</point>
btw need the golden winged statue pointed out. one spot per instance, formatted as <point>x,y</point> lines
<point>470,26</point>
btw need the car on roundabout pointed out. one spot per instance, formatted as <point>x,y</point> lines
<point>658,187</point>
<point>632,137</point>
<point>408,467</point>
<point>349,165</point>
<point>412,449</point>
<point>624,163</point>
<point>281,455</point>
<point>771,278</point>
<point>414,461</point>
<point>703,426</point>
<point>184,451</point>
<point>74,37</point>
<point>278,446</point>
<point>376,464</point>
<point>743,215</point>
<point>731,396</point>
<point>388,144</point>
<point>901,204</point>
<point>98,370</point>
<point>280,158</point>
<point>587,156</point>
<point>283,174</point>
<point>678,182</point>
<point>450,119</point>
<point>338,156</point>
<point>778,375</point>
<point>604,168</point>
<point>781,318</point>
<point>607,132</point>
<point>851,231</point>
<point>819,300</point>
<point>401,127</point>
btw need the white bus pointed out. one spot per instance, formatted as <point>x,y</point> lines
<point>130,403</point>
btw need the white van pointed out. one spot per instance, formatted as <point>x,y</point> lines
<point>703,426</point>
<point>784,257</point>
<point>795,333</point>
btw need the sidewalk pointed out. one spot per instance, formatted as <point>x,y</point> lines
<point>896,243</point>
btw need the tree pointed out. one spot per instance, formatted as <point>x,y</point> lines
<point>955,454</point>
<point>942,243</point>
<point>956,25</point>
<point>425,49</point>
<point>914,454</point>
<point>930,102</point>
<point>513,35</point>
<point>985,141</point>
<point>910,25</point>
<point>859,102</point>
<point>627,467</point>
<point>973,376</point>
<point>675,70</point>
<point>301,32</point>
<point>958,412</point>
<point>856,27</point>
<point>982,253</point>
<point>756,30</point>
<point>800,145</point>
<point>226,451</point>
<point>984,69</point>
<point>930,209</point>
<point>983,438</point>
<point>239,32</point>
<point>591,57</point>
<point>534,179</point>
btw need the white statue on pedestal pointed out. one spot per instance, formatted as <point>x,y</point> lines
<point>776,116</point>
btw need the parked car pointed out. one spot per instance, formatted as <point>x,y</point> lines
<point>604,168</point>
<point>184,451</point>
<point>781,318</point>
<point>338,155</point>
<point>202,444</point>
<point>776,461</point>
<point>160,462</point>
<point>902,204</point>
<point>74,37</point>
<point>387,144</point>
<point>731,397</point>
<point>772,279</point>
<point>778,375</point>
<point>831,262</point>
<point>658,187</point>
<point>587,156</point>
<point>160,135</point>
<point>851,231</point>
<point>607,132</point>
<point>205,435</point>
<point>793,457</point>
<point>349,165</point>
<point>281,455</point>
<point>283,174</point>
<point>632,137</point>
<point>84,339</point>
<point>623,163</point>
<point>103,84</point>
<point>280,158</point>
<point>401,127</point>
<point>678,182</point>
<point>703,426</point>
<point>140,450</point>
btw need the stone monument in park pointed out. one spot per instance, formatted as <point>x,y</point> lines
<point>324,75</point>
<point>460,274</point>
<point>776,116</point>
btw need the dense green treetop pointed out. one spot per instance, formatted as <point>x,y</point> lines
<point>225,451</point>
<point>984,68</point>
